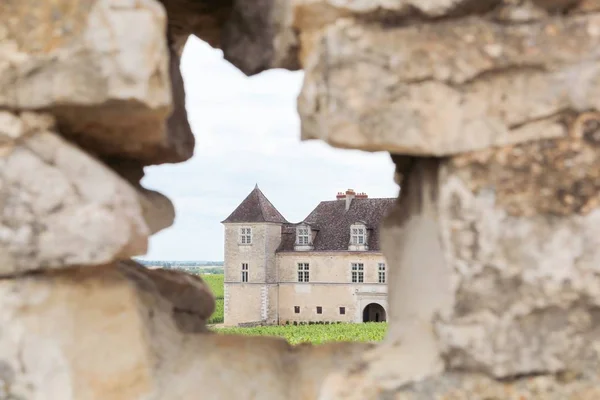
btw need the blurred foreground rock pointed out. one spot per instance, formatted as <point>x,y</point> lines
<point>60,206</point>
<point>489,107</point>
<point>499,283</point>
<point>108,85</point>
<point>122,331</point>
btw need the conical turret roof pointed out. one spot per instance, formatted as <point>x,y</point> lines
<point>255,208</point>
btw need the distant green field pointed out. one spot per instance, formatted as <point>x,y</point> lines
<point>368,332</point>
<point>216,286</point>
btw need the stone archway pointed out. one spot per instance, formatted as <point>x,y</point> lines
<point>374,312</point>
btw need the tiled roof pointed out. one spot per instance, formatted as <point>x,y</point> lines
<point>332,223</point>
<point>255,208</point>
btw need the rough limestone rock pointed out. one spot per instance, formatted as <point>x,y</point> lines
<point>411,85</point>
<point>521,229</point>
<point>112,88</point>
<point>158,210</point>
<point>496,285</point>
<point>454,386</point>
<point>204,19</point>
<point>59,206</point>
<point>259,35</point>
<point>254,35</point>
<point>116,332</point>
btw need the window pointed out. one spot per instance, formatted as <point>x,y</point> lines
<point>244,272</point>
<point>342,310</point>
<point>303,272</point>
<point>303,236</point>
<point>381,271</point>
<point>319,310</point>
<point>296,309</point>
<point>358,274</point>
<point>358,235</point>
<point>246,235</point>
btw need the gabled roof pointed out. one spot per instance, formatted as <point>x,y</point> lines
<point>332,223</point>
<point>255,208</point>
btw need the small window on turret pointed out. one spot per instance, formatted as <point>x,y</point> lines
<point>246,235</point>
<point>244,272</point>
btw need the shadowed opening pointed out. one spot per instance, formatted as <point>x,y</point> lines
<point>374,313</point>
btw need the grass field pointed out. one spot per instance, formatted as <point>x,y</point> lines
<point>369,332</point>
<point>296,334</point>
<point>216,286</point>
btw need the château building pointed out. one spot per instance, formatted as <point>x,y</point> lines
<point>328,267</point>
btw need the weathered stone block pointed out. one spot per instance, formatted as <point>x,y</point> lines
<point>454,386</point>
<point>494,272</point>
<point>87,333</point>
<point>59,206</point>
<point>204,19</point>
<point>111,87</point>
<point>125,332</point>
<point>259,35</point>
<point>158,210</point>
<point>413,85</point>
<point>520,227</point>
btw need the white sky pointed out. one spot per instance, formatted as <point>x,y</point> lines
<point>247,132</point>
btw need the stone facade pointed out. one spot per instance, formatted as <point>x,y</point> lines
<point>489,108</point>
<point>262,283</point>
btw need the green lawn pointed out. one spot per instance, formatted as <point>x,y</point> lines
<point>216,286</point>
<point>369,332</point>
<point>296,334</point>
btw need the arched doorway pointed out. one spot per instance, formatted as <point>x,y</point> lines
<point>374,313</point>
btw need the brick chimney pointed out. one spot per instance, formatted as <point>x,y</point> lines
<point>362,195</point>
<point>340,196</point>
<point>350,194</point>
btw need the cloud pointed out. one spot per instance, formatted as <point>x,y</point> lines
<point>248,131</point>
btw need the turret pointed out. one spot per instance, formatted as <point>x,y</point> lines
<point>252,235</point>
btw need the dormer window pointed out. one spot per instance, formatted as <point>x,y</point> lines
<point>245,235</point>
<point>303,238</point>
<point>358,237</point>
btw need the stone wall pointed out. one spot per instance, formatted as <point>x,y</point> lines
<point>489,108</point>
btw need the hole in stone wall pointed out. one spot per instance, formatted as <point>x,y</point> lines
<point>247,132</point>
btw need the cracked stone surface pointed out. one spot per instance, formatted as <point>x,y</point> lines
<point>61,207</point>
<point>521,231</point>
<point>114,332</point>
<point>521,319</point>
<point>447,86</point>
<point>111,88</point>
